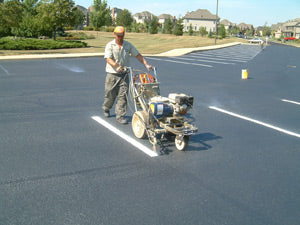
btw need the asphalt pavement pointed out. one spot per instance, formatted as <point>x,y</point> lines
<point>59,166</point>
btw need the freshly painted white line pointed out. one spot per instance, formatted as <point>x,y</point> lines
<point>289,101</point>
<point>256,121</point>
<point>204,60</point>
<point>6,71</point>
<point>132,141</point>
<point>214,58</point>
<point>167,60</point>
<point>231,56</point>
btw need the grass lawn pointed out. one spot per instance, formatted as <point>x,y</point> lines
<point>145,43</point>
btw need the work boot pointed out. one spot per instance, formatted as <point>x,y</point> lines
<point>122,120</point>
<point>106,113</point>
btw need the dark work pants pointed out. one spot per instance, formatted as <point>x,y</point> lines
<point>116,86</point>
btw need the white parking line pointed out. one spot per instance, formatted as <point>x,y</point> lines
<point>289,101</point>
<point>255,121</point>
<point>215,58</point>
<point>204,60</point>
<point>223,56</point>
<point>174,61</point>
<point>5,70</point>
<point>130,140</point>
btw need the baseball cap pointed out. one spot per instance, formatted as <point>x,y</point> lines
<point>119,30</point>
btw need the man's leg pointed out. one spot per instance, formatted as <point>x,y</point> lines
<point>121,105</point>
<point>111,92</point>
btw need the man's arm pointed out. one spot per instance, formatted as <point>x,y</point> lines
<point>114,64</point>
<point>143,60</point>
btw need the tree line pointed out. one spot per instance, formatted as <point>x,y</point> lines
<point>34,18</point>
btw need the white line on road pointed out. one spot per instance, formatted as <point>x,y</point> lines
<point>204,60</point>
<point>214,58</point>
<point>6,71</point>
<point>217,58</point>
<point>130,140</point>
<point>256,121</point>
<point>174,61</point>
<point>289,101</point>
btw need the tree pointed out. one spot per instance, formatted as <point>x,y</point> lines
<point>54,15</point>
<point>222,31</point>
<point>235,30</point>
<point>100,16</point>
<point>191,31</point>
<point>153,26</point>
<point>11,16</point>
<point>178,28</point>
<point>28,27</point>
<point>168,28</point>
<point>267,31</point>
<point>78,18</point>
<point>124,18</point>
<point>202,31</point>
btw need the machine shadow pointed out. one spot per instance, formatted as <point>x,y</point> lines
<point>197,142</point>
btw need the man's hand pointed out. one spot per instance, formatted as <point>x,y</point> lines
<point>149,67</point>
<point>119,69</point>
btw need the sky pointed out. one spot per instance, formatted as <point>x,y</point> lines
<point>255,12</point>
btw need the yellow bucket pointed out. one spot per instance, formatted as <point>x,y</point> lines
<point>245,74</point>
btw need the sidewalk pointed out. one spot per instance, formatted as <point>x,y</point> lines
<point>171,53</point>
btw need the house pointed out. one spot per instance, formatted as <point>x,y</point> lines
<point>114,13</point>
<point>244,27</point>
<point>291,29</point>
<point>200,18</point>
<point>143,17</point>
<point>163,18</point>
<point>227,24</point>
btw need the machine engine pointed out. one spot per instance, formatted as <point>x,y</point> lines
<point>175,105</point>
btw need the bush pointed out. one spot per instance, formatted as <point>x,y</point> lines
<point>37,44</point>
<point>88,28</point>
<point>109,29</point>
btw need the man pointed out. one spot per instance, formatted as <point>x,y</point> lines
<point>117,55</point>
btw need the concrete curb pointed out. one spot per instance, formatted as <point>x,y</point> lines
<point>171,53</point>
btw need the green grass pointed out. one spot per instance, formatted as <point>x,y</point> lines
<point>145,43</point>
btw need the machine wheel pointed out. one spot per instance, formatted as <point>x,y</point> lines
<point>181,143</point>
<point>138,124</point>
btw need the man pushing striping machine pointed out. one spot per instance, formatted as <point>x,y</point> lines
<point>156,116</point>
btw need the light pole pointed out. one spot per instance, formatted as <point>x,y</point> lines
<point>217,22</point>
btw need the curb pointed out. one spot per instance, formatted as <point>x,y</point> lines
<point>171,53</point>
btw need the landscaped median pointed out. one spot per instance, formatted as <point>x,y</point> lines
<point>11,43</point>
<point>171,53</point>
<point>147,44</point>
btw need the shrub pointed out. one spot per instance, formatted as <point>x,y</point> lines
<point>88,28</point>
<point>109,29</point>
<point>37,44</point>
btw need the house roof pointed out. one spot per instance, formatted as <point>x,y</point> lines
<point>144,14</point>
<point>200,14</point>
<point>116,10</point>
<point>245,26</point>
<point>165,16</point>
<point>226,22</point>
<point>291,24</point>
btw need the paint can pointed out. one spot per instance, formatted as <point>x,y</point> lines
<point>245,74</point>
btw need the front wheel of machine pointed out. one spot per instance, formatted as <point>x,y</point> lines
<point>138,124</point>
<point>181,143</point>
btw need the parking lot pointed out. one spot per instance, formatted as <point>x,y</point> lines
<point>59,166</point>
